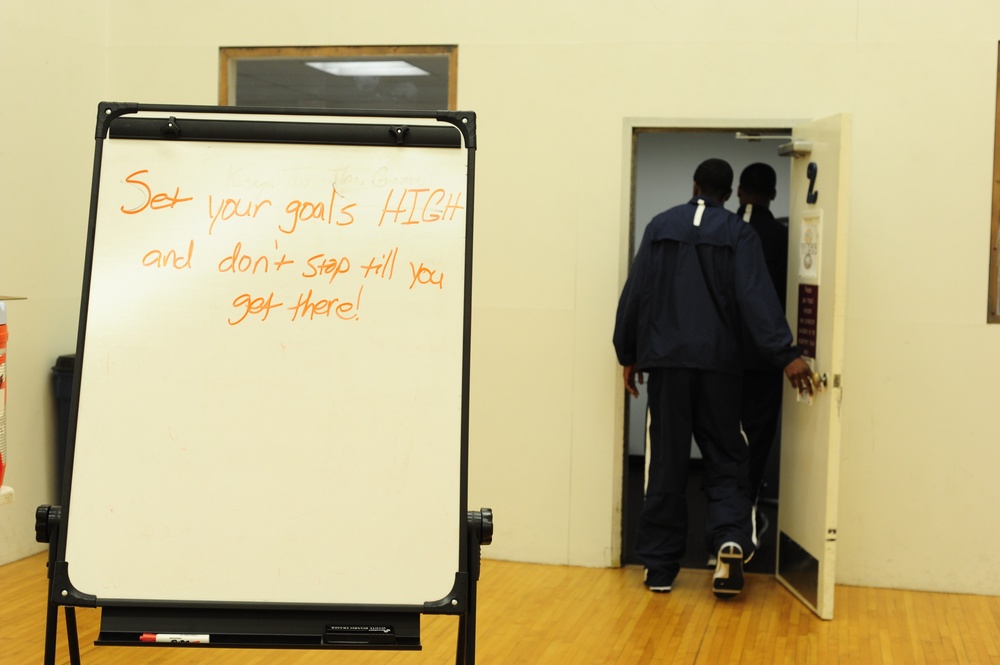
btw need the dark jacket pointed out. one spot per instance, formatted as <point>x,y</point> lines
<point>774,241</point>
<point>693,290</point>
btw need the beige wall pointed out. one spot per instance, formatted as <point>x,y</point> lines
<point>555,88</point>
<point>52,71</point>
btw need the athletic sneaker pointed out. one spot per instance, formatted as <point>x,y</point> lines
<point>659,581</point>
<point>758,525</point>
<point>728,578</point>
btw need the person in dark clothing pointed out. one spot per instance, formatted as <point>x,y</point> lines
<point>699,281</point>
<point>762,383</point>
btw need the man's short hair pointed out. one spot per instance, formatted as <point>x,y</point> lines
<point>759,178</point>
<point>714,176</point>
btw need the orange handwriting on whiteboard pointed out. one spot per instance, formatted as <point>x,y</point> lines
<point>230,208</point>
<point>157,258</point>
<point>421,206</point>
<point>153,201</point>
<point>323,265</point>
<point>239,261</point>
<point>424,275</point>
<point>308,307</point>
<point>251,306</point>
<point>386,268</point>
<point>321,210</point>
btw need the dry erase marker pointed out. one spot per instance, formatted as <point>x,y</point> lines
<point>175,638</point>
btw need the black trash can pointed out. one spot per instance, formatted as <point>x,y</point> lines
<point>62,385</point>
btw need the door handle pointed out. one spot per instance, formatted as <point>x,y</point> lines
<point>819,380</point>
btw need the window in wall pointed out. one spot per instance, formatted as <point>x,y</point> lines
<point>993,313</point>
<point>421,78</point>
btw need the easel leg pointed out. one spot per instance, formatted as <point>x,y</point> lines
<point>470,622</point>
<point>47,519</point>
<point>480,533</point>
<point>51,630</point>
<point>72,636</point>
<point>51,620</point>
<point>467,631</point>
<point>460,656</point>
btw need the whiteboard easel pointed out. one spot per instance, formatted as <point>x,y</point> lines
<point>271,406</point>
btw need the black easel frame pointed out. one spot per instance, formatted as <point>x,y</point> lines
<point>275,626</point>
<point>480,532</point>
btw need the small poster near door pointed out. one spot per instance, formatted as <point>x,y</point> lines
<point>809,245</point>
<point>805,335</point>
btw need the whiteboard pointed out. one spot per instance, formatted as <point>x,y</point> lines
<point>270,403</point>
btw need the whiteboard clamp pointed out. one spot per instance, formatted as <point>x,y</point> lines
<point>400,132</point>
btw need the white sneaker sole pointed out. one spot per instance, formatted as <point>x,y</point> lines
<point>728,579</point>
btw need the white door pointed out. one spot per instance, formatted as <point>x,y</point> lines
<point>810,439</point>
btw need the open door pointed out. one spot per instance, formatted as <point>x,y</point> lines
<point>810,439</point>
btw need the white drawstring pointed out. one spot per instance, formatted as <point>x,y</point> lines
<point>699,212</point>
<point>748,212</point>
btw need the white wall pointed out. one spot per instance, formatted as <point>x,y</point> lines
<point>52,71</point>
<point>554,93</point>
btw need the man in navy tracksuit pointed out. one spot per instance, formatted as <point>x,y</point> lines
<point>762,382</point>
<point>698,281</point>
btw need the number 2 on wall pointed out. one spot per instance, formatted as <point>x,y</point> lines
<point>811,172</point>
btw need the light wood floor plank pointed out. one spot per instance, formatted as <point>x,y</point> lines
<point>562,615</point>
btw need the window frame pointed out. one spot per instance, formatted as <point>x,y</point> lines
<point>229,55</point>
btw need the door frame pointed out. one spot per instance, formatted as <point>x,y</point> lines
<point>630,128</point>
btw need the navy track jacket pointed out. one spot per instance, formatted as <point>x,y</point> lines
<point>693,290</point>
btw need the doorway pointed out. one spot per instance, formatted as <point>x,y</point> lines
<point>663,163</point>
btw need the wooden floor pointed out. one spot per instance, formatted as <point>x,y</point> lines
<point>561,615</point>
